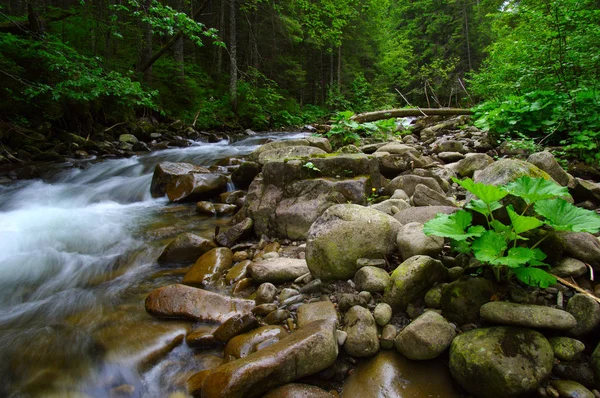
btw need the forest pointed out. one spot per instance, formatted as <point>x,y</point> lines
<point>529,69</point>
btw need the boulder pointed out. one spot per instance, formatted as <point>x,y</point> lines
<point>391,206</point>
<point>527,315</point>
<point>304,352</point>
<point>243,176</point>
<point>582,246</point>
<point>411,280</point>
<point>362,340</point>
<point>390,165</point>
<point>462,299</point>
<point>371,279</point>
<point>239,231</point>
<point>289,152</point>
<point>244,344</point>
<point>471,163</point>
<point>398,148</point>
<point>194,187</point>
<point>297,390</point>
<point>504,171</point>
<point>288,143</point>
<point>425,196</point>
<point>409,182</point>
<point>445,145</point>
<point>277,270</point>
<point>317,311</point>
<point>586,190</point>
<point>210,268</point>
<point>500,362</point>
<point>412,241</point>
<point>449,157</point>
<point>186,248</point>
<point>165,172</point>
<point>546,161</point>
<point>181,301</point>
<point>422,214</point>
<point>426,337</point>
<point>586,311</point>
<point>345,233</point>
<point>595,364</point>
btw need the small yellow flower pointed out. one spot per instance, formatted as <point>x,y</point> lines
<point>373,189</point>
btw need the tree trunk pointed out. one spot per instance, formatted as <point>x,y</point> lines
<point>178,49</point>
<point>233,81</point>
<point>378,115</point>
<point>146,53</point>
<point>339,68</point>
<point>221,30</point>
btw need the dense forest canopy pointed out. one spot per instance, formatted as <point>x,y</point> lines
<point>530,67</point>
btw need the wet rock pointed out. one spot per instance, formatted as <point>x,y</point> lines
<point>471,163</point>
<point>567,267</point>
<point>382,314</point>
<point>237,272</point>
<point>276,317</point>
<point>239,231</point>
<point>586,311</point>
<point>462,299</point>
<point>483,361</point>
<point>426,337</point>
<point>193,187</point>
<point>412,279</point>
<point>345,233</point>
<point>241,286</point>
<point>165,172</point>
<point>425,196</point>
<point>243,176</point>
<point>408,183</point>
<point>362,338</point>
<point>390,375</point>
<point>371,279</point>
<point>302,353</point>
<point>186,248</point>
<point>209,268</point>
<point>202,337</point>
<point>412,241</point>
<point>277,270</point>
<point>388,335</point>
<point>317,311</point>
<point>264,309</point>
<point>546,161</point>
<point>313,286</point>
<point>214,209</point>
<point>533,316</point>
<point>235,325</point>
<point>244,344</point>
<point>566,348</point>
<point>181,301</point>
<point>286,293</point>
<point>571,389</point>
<point>422,214</point>
<point>265,293</point>
<point>296,390</point>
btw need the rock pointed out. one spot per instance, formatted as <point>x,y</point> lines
<point>578,371</point>
<point>504,171</point>
<point>277,270</point>
<point>582,246</point>
<point>483,361</point>
<point>362,338</point>
<point>471,163</point>
<point>264,309</point>
<point>571,389</point>
<point>388,335</point>
<point>448,157</point>
<point>412,279</point>
<point>566,348</point>
<point>277,145</point>
<point>276,317</point>
<point>425,196</point>
<point>265,293</point>
<point>202,337</point>
<point>586,311</point>
<point>400,194</point>
<point>595,364</point>
<point>243,176</point>
<point>194,187</point>
<point>302,353</point>
<point>586,190</point>
<point>462,299</point>
<point>186,248</point>
<point>288,152</point>
<point>433,297</point>
<point>371,279</point>
<point>382,314</point>
<point>545,161</point>
<point>398,148</point>
<point>349,300</point>
<point>391,165</point>
<point>296,390</point>
<point>527,315</point>
<point>567,267</point>
<point>445,145</point>
<point>214,209</point>
<point>181,301</point>
<point>165,172</point>
<point>317,311</point>
<point>239,231</point>
<point>235,325</point>
<point>345,233</point>
<point>422,214</point>
<point>210,268</point>
<point>287,293</point>
<point>128,139</point>
<point>408,184</point>
<point>391,206</point>
<point>319,142</point>
<point>412,242</point>
<point>390,375</point>
<point>237,272</point>
<point>426,337</point>
<point>244,344</point>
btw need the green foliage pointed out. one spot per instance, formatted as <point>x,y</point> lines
<point>346,131</point>
<point>498,244</point>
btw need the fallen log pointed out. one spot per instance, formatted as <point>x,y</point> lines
<point>378,115</point>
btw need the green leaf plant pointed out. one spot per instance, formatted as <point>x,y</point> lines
<point>507,249</point>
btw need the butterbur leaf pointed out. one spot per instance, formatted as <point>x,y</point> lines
<point>563,216</point>
<point>522,223</point>
<point>534,189</point>
<point>487,193</point>
<point>534,277</point>
<point>480,206</point>
<point>519,257</point>
<point>451,226</point>
<point>489,247</point>
<point>461,246</point>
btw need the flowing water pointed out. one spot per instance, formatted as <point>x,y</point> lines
<point>77,257</point>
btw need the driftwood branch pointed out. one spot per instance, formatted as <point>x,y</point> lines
<point>576,288</point>
<point>378,115</point>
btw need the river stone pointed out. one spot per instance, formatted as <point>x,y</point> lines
<point>265,293</point>
<point>264,309</point>
<point>391,206</point>
<point>244,344</point>
<point>571,389</point>
<point>181,301</point>
<point>239,231</point>
<point>504,171</point>
<point>595,364</point>
<point>445,145</point>
<point>582,246</point>
<point>409,182</point>
<point>433,297</point>
<point>471,163</point>
<point>319,142</point>
<point>164,172</point>
<point>389,375</point>
<point>546,161</point>
<point>426,337</point>
<point>586,311</point>
<point>527,315</point>
<point>202,337</point>
<point>186,248</point>
<point>305,352</point>
<point>296,390</point>
<point>566,348</point>
<point>277,270</point>
<point>412,241</point>
<point>449,157</point>
<point>243,176</point>
<point>411,280</point>
<point>128,139</point>
<point>317,311</point>
<point>485,361</point>
<point>422,214</point>
<point>398,148</point>
<point>391,164</point>
<point>362,338</point>
<point>425,196</point>
<point>194,187</point>
<point>345,233</point>
<point>568,266</point>
<point>349,300</point>
<point>388,335</point>
<point>276,317</point>
<point>209,268</point>
<point>288,152</point>
<point>586,190</point>
<point>371,279</point>
<point>237,272</point>
<point>462,299</point>
<point>269,146</point>
<point>235,325</point>
<point>382,314</point>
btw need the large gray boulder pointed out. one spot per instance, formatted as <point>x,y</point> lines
<point>165,172</point>
<point>288,152</point>
<point>323,144</point>
<point>194,187</point>
<point>500,362</point>
<point>345,233</point>
<point>471,163</point>
<point>426,337</point>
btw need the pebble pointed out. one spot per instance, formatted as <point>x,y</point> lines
<point>264,309</point>
<point>265,293</point>
<point>287,293</point>
<point>388,335</point>
<point>382,314</point>
<point>312,287</point>
<point>276,317</point>
<point>341,337</point>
